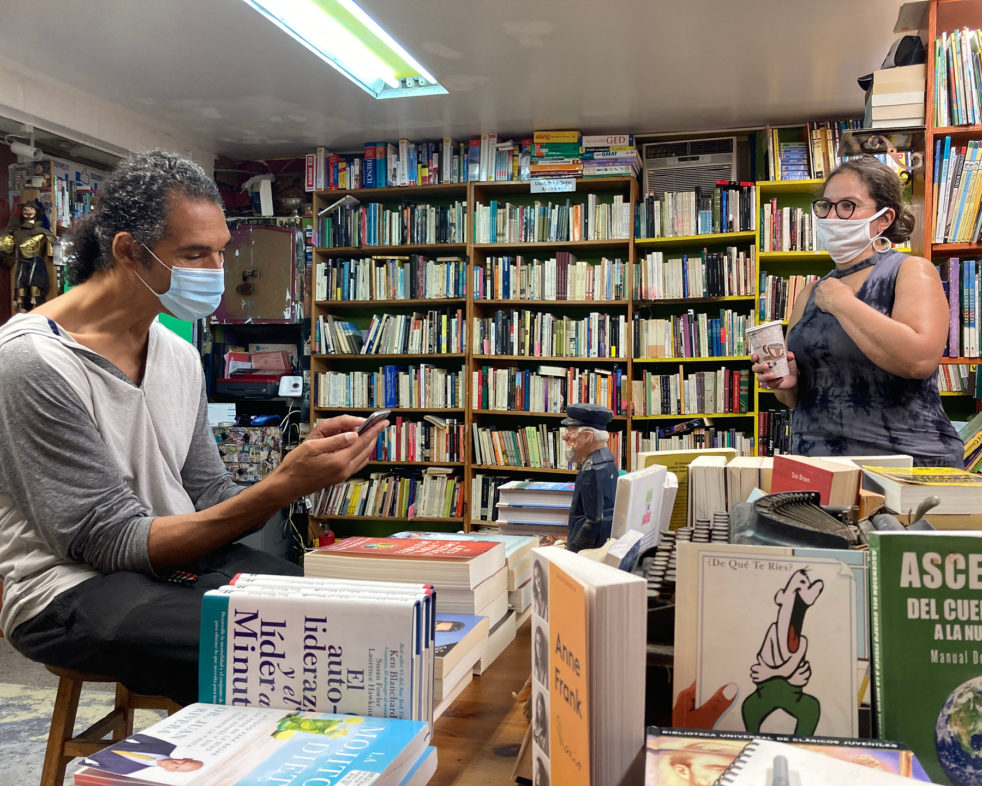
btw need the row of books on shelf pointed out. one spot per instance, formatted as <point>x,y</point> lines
<point>561,277</point>
<point>431,493</point>
<point>375,224</point>
<point>787,228</point>
<point>778,295</point>
<point>484,158</point>
<point>530,333</point>
<point>958,191</point>
<point>729,207</point>
<point>773,431</point>
<point>432,332</point>
<point>408,440</point>
<point>423,386</point>
<point>412,277</point>
<point>958,378</point>
<point>896,97</point>
<point>545,389</point>
<point>958,78</point>
<point>962,283</point>
<point>722,390</point>
<point>531,446</point>
<point>551,222</point>
<point>722,273</point>
<point>691,335</point>
<point>803,153</point>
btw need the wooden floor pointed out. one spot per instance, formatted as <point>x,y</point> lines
<point>478,737</point>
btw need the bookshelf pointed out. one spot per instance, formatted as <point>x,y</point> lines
<point>388,330</point>
<point>946,16</point>
<point>549,315</point>
<point>787,259</point>
<point>690,366</point>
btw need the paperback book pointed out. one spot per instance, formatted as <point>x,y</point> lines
<point>781,631</point>
<point>926,633</point>
<point>678,756</point>
<point>207,744</point>
<point>588,670</point>
<point>348,650</point>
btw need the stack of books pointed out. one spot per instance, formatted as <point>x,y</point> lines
<point>469,576</point>
<point>610,155</point>
<point>461,641</point>
<point>518,563</point>
<point>556,154</point>
<point>896,99</point>
<point>281,641</point>
<point>253,745</point>
<point>534,507</point>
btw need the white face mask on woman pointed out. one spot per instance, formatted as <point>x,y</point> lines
<point>846,238</point>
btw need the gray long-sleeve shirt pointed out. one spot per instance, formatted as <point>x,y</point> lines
<point>88,459</point>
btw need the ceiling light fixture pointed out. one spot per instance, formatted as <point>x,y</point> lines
<point>343,35</point>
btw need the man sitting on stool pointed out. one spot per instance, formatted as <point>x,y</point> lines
<point>592,511</point>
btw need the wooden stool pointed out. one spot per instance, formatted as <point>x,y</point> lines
<point>64,745</point>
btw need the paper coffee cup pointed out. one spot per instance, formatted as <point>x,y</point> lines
<point>767,342</point>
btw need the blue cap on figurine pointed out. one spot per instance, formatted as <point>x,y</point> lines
<point>587,415</point>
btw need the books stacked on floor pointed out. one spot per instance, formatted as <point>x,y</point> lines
<point>556,154</point>
<point>534,507</point>
<point>252,745</point>
<point>610,155</point>
<point>281,641</point>
<point>896,98</point>
<point>469,576</point>
<point>461,641</point>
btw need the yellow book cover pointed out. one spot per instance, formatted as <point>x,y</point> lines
<point>934,476</point>
<point>540,137</point>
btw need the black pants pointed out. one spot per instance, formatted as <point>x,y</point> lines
<point>139,630</point>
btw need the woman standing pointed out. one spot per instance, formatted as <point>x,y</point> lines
<point>865,341</point>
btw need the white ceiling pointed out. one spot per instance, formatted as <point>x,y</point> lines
<point>223,76</point>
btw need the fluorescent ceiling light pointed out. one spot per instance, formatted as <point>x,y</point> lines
<point>342,34</point>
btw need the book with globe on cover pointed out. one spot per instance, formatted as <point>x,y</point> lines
<point>926,614</point>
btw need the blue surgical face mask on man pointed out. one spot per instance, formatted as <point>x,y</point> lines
<point>194,292</point>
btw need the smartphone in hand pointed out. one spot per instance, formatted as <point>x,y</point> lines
<point>375,417</point>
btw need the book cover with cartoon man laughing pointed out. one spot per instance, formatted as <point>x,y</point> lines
<point>772,637</point>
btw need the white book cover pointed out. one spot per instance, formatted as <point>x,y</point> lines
<point>778,627</point>
<point>310,651</point>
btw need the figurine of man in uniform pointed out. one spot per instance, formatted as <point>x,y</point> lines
<point>592,511</point>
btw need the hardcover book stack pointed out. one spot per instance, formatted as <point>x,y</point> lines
<point>209,744</point>
<point>360,647</point>
<point>470,576</point>
<point>534,507</point>
<point>461,642</point>
<point>518,562</point>
<point>896,99</point>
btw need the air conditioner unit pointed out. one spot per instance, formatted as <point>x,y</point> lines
<point>688,165</point>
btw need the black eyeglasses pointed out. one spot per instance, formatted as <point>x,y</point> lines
<point>844,208</point>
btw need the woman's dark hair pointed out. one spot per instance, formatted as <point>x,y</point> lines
<point>135,198</point>
<point>885,188</point>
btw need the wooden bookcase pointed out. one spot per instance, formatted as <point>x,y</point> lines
<point>944,16</point>
<point>376,294</point>
<point>739,419</point>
